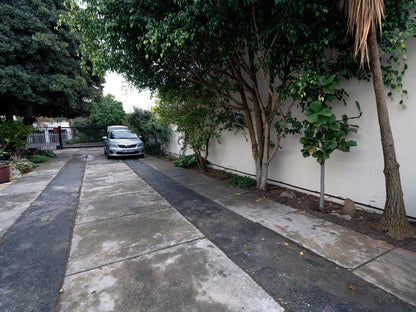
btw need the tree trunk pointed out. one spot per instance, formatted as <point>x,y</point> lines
<point>257,162</point>
<point>262,168</point>
<point>322,195</point>
<point>263,183</point>
<point>28,114</point>
<point>201,161</point>
<point>394,220</point>
<point>9,113</point>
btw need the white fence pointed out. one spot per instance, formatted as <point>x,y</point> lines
<point>47,138</point>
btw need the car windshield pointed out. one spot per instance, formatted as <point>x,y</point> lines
<point>123,135</point>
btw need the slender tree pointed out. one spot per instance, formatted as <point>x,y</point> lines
<point>198,117</point>
<point>363,18</point>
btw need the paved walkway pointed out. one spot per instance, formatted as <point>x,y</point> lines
<point>225,251</point>
<point>392,269</point>
<point>37,213</point>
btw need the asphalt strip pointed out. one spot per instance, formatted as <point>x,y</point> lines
<point>34,252</point>
<point>295,277</point>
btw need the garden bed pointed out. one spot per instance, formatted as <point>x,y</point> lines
<point>309,204</point>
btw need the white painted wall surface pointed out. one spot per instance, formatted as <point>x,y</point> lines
<point>357,174</point>
<point>174,146</point>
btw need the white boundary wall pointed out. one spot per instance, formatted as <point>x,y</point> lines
<point>358,174</point>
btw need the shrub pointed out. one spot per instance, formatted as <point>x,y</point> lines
<point>153,148</point>
<point>189,161</point>
<point>46,153</point>
<point>240,181</point>
<point>24,166</point>
<point>38,158</point>
<point>13,135</point>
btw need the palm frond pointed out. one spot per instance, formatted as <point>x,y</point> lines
<point>361,16</point>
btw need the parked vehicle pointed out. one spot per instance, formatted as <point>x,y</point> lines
<point>109,128</point>
<point>123,142</point>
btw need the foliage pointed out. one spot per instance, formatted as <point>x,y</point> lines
<point>46,153</point>
<point>138,120</point>
<point>394,220</point>
<point>240,181</point>
<point>85,132</point>
<point>42,156</point>
<point>323,133</point>
<point>40,68</point>
<point>13,135</point>
<point>154,148</point>
<point>399,24</point>
<point>23,165</point>
<point>38,158</point>
<point>107,112</point>
<point>197,117</point>
<point>230,48</point>
<point>155,134</point>
<point>189,161</point>
<point>233,48</point>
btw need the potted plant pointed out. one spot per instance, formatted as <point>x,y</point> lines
<point>13,136</point>
<point>4,169</point>
<point>4,173</point>
<point>4,155</point>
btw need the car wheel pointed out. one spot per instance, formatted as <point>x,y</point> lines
<point>108,156</point>
<point>141,156</point>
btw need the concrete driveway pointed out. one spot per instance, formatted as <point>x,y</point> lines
<point>83,233</point>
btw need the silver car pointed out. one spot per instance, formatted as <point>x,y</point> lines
<point>123,142</point>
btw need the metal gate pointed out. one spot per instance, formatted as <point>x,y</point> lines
<point>48,138</point>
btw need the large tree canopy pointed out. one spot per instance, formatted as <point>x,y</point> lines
<point>257,57</point>
<point>107,112</point>
<point>234,49</point>
<point>40,69</point>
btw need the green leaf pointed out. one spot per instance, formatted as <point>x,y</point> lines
<point>326,112</point>
<point>330,146</point>
<point>312,118</point>
<point>350,143</point>
<point>357,104</point>
<point>315,106</point>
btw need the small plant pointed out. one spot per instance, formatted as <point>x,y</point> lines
<point>38,158</point>
<point>4,155</point>
<point>240,181</point>
<point>190,161</point>
<point>23,165</point>
<point>13,135</point>
<point>46,153</point>
<point>187,161</point>
<point>153,148</point>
